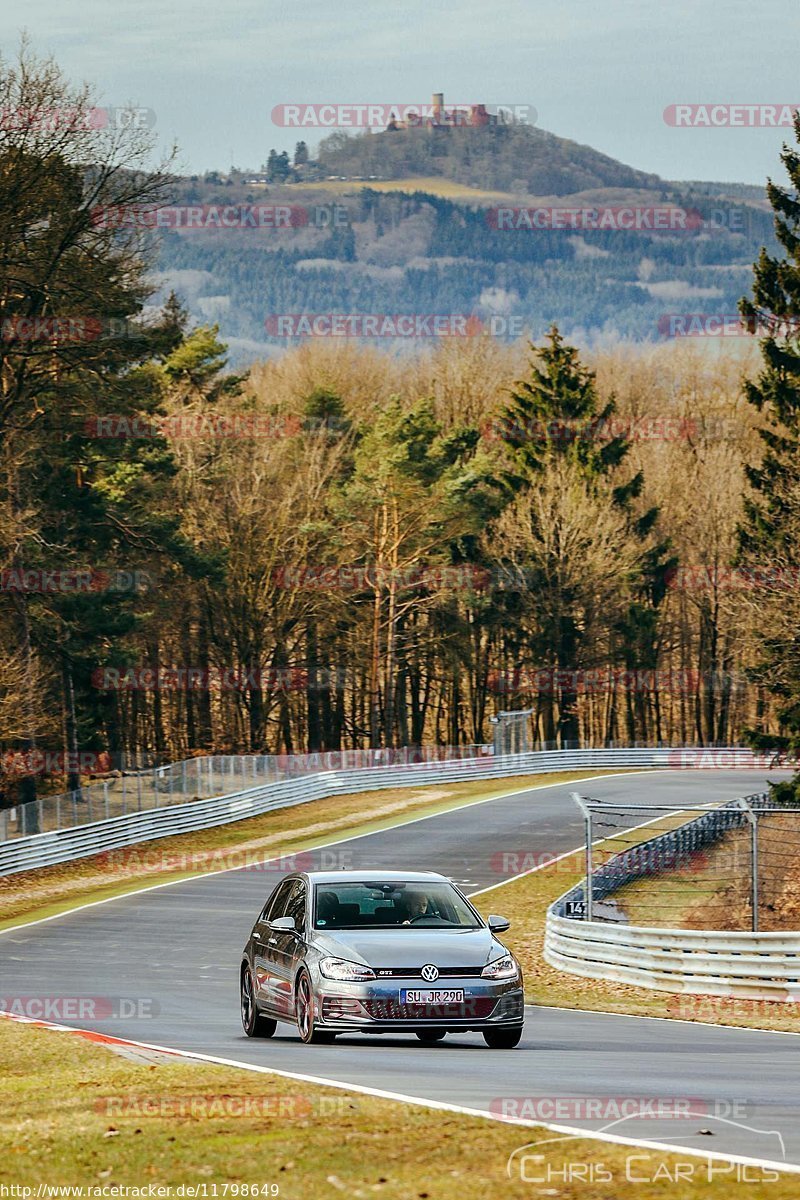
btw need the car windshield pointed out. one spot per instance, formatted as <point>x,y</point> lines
<point>379,905</point>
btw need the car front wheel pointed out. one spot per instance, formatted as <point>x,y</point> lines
<point>253,1023</point>
<point>502,1039</point>
<point>304,1013</point>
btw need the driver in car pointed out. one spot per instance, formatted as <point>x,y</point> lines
<point>416,905</point>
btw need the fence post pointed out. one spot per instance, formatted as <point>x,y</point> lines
<point>587,821</point>
<point>752,817</point>
<point>184,785</point>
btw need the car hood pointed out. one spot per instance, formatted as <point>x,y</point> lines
<point>402,947</point>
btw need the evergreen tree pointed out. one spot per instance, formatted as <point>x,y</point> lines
<point>555,419</point>
<point>769,535</point>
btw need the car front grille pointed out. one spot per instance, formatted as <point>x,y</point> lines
<point>416,972</point>
<point>476,1009</point>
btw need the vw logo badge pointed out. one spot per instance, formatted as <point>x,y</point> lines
<point>430,972</point>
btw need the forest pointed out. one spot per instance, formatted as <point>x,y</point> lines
<point>343,547</point>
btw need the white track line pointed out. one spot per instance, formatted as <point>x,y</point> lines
<point>323,846</point>
<point>399,1096</point>
<point>403,1098</point>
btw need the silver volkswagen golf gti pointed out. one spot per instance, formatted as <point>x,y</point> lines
<point>379,952</point>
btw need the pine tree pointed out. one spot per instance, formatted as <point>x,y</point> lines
<point>769,534</point>
<point>556,418</point>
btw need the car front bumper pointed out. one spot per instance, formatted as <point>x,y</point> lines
<point>376,1007</point>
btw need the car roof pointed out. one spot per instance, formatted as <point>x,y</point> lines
<point>378,874</point>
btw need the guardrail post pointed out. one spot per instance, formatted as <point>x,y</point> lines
<point>587,821</point>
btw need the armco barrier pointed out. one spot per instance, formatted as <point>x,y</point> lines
<point>46,849</point>
<point>757,966</point>
<point>130,790</point>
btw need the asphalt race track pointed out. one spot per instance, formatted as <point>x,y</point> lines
<point>177,949</point>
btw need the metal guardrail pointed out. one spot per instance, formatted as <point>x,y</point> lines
<point>62,845</point>
<point>130,790</point>
<point>764,966</point>
<point>757,966</point>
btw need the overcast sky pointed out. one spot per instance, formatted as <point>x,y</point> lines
<point>598,71</point>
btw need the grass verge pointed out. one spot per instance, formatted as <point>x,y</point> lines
<point>525,901</point>
<point>32,895</point>
<point>74,1114</point>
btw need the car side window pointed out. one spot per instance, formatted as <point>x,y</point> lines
<point>276,905</point>
<point>297,906</point>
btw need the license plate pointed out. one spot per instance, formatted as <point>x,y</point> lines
<point>432,996</point>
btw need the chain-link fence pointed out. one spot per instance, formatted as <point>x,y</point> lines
<point>198,779</point>
<point>727,866</point>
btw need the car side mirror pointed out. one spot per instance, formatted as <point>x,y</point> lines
<point>286,923</point>
<point>497,924</point>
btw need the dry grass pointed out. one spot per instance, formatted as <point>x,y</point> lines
<point>34,894</point>
<point>525,901</point>
<point>714,889</point>
<point>71,1113</point>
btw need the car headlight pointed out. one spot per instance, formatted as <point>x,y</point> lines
<point>501,968</point>
<point>347,972</point>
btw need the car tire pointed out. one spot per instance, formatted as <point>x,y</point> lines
<point>502,1039</point>
<point>431,1036</point>
<point>304,1014</point>
<point>253,1022</point>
